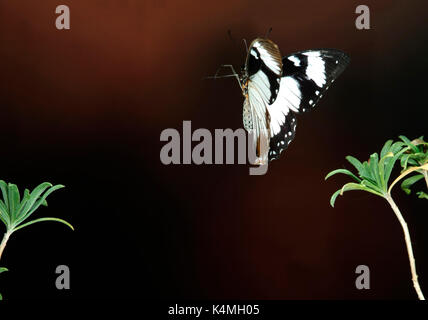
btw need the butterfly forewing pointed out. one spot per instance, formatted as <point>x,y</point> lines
<point>313,71</point>
<point>263,70</point>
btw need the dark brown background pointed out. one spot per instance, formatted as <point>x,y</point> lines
<point>85,108</point>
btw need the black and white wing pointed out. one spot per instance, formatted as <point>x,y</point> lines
<point>264,69</point>
<point>306,77</point>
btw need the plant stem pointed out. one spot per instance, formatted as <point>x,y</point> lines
<point>408,245</point>
<point>4,241</point>
<point>425,173</point>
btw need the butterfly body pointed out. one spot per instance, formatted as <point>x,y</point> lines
<point>277,88</point>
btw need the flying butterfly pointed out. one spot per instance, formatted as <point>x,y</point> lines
<point>277,88</point>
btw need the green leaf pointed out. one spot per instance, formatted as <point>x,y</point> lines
<point>409,143</point>
<point>374,168</point>
<point>334,196</point>
<point>382,169</point>
<point>397,146</point>
<point>385,148</point>
<point>389,164</point>
<point>33,198</point>
<point>355,186</point>
<point>25,198</point>
<point>41,220</point>
<point>367,173</point>
<point>3,269</point>
<point>4,215</point>
<point>14,200</point>
<point>407,183</point>
<point>422,195</point>
<point>355,162</point>
<point>404,159</point>
<point>343,171</point>
<point>4,190</point>
<point>413,162</point>
<point>4,220</point>
<point>363,169</point>
<point>372,186</point>
<point>40,202</point>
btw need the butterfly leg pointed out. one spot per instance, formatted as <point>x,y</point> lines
<point>233,72</point>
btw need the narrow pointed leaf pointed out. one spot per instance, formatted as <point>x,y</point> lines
<point>14,200</point>
<point>4,220</point>
<point>367,173</point>
<point>374,168</point>
<point>404,159</point>
<point>389,165</point>
<point>408,143</point>
<point>413,162</point>
<point>34,196</point>
<point>343,171</point>
<point>363,169</point>
<point>407,183</point>
<point>4,190</point>
<point>42,220</point>
<point>25,198</point>
<point>397,146</point>
<point>4,213</point>
<point>422,195</point>
<point>385,148</point>
<point>371,185</point>
<point>355,186</point>
<point>355,162</point>
<point>382,169</point>
<point>40,202</point>
<point>334,196</point>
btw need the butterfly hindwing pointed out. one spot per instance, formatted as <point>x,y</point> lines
<point>306,77</point>
<point>280,141</point>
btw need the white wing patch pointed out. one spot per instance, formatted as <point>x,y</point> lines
<point>257,103</point>
<point>268,59</point>
<point>259,88</point>
<point>316,68</point>
<point>295,60</point>
<point>254,54</point>
<point>289,98</point>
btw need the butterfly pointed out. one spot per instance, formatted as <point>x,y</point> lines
<point>277,88</point>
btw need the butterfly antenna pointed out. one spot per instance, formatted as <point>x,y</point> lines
<point>219,77</point>
<point>268,32</point>
<point>246,46</point>
<point>229,32</point>
<point>233,74</point>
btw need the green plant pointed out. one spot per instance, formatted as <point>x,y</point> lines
<point>412,162</point>
<point>2,270</point>
<point>373,176</point>
<point>14,212</point>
